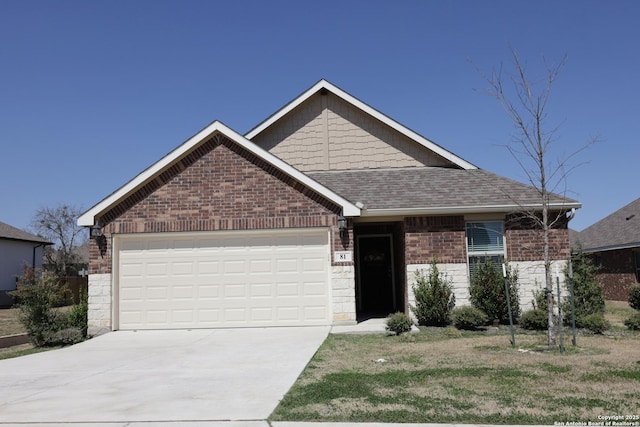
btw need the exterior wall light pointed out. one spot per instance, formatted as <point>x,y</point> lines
<point>342,225</point>
<point>95,231</point>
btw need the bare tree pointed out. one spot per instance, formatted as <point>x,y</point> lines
<point>58,225</point>
<point>525,100</point>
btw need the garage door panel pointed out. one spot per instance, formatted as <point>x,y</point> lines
<point>223,279</point>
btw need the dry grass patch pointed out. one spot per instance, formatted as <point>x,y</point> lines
<point>9,323</point>
<point>616,312</point>
<point>465,378</point>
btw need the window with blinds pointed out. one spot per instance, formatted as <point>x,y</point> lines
<point>485,240</point>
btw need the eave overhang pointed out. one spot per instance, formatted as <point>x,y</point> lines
<point>461,210</point>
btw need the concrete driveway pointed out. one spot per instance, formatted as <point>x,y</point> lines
<point>158,376</point>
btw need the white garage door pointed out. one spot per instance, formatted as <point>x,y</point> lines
<point>222,279</point>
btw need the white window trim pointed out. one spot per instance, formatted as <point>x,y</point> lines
<point>502,253</point>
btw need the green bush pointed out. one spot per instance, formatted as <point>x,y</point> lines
<point>67,336</point>
<point>634,297</point>
<point>468,317</point>
<point>487,290</point>
<point>535,320</point>
<point>399,323</point>
<point>77,315</point>
<point>38,295</point>
<point>588,297</point>
<point>596,323</point>
<point>434,297</point>
<point>540,299</point>
<point>633,322</point>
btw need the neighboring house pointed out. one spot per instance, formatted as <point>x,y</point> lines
<point>81,258</point>
<point>614,245</point>
<point>320,215</point>
<point>17,250</point>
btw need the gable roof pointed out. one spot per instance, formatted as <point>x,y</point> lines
<point>619,230</point>
<point>88,218</point>
<point>325,85</point>
<point>435,190</point>
<point>12,233</point>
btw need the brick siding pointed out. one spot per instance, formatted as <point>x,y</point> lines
<point>617,273</point>
<point>428,237</point>
<point>217,186</point>
<point>525,240</point>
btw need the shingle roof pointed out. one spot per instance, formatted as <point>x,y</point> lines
<point>619,230</point>
<point>434,188</point>
<point>9,232</point>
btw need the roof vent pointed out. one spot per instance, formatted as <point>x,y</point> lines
<point>630,216</point>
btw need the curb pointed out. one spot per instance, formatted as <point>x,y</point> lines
<point>11,340</point>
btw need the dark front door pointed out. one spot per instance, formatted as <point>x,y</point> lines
<point>375,275</point>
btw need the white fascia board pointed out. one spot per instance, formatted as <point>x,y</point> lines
<point>447,210</point>
<point>323,84</point>
<point>88,218</point>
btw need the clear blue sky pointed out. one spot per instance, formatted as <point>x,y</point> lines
<point>93,92</point>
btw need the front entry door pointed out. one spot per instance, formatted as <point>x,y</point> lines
<point>375,275</point>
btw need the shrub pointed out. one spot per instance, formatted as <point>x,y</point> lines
<point>399,323</point>
<point>633,322</point>
<point>487,290</point>
<point>535,320</point>
<point>37,294</point>
<point>67,336</point>
<point>77,316</point>
<point>587,292</point>
<point>434,297</point>
<point>540,299</point>
<point>468,317</point>
<point>596,323</point>
<point>634,297</point>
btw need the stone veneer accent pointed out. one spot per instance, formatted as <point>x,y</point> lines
<point>99,296</point>
<point>530,278</point>
<point>343,294</point>
<point>456,272</point>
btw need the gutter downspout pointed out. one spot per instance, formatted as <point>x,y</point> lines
<point>33,259</point>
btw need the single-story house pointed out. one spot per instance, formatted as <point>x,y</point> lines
<point>319,215</point>
<point>614,245</point>
<point>17,250</point>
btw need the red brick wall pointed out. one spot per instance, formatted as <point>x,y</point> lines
<point>218,186</point>
<point>617,273</point>
<point>445,237</point>
<point>435,236</point>
<point>525,241</point>
<point>527,245</point>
